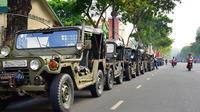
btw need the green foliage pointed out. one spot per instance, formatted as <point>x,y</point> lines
<point>184,52</point>
<point>198,35</point>
<point>91,9</point>
<point>194,48</point>
<point>63,9</point>
<point>150,21</point>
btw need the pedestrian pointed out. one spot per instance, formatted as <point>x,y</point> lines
<point>156,62</point>
<point>166,61</point>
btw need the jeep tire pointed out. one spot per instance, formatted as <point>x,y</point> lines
<point>137,70</point>
<point>128,73</point>
<point>97,88</point>
<point>62,93</point>
<point>109,79</point>
<point>119,79</point>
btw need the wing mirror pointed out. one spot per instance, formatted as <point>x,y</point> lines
<point>88,44</point>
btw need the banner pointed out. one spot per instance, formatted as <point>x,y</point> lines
<point>157,55</point>
<point>3,6</point>
<point>116,28</point>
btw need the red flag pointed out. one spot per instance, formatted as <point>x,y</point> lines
<point>157,54</point>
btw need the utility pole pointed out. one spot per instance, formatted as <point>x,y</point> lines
<point>113,14</point>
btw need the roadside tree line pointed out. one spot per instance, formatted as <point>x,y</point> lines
<point>193,48</point>
<point>148,17</point>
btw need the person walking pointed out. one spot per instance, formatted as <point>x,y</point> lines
<point>166,61</point>
<point>156,62</point>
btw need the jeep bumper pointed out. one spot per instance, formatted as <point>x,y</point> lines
<point>28,88</point>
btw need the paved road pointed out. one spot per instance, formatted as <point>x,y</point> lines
<point>165,90</point>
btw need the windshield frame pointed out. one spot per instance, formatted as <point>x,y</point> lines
<point>48,47</point>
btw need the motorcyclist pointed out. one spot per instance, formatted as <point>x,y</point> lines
<point>189,58</point>
<point>173,61</point>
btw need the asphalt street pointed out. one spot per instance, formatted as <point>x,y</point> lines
<point>164,90</point>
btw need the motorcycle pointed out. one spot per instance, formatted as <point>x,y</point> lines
<point>189,66</point>
<point>173,63</point>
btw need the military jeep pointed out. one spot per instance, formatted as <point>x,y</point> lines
<point>145,61</point>
<point>129,63</point>
<point>150,63</point>
<point>139,61</point>
<point>53,62</point>
<point>114,63</point>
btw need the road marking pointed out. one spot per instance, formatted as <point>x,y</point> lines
<point>152,75</point>
<point>148,78</point>
<point>139,86</point>
<point>114,107</point>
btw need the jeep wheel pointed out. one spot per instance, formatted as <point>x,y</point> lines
<point>62,93</point>
<point>128,73</point>
<point>109,80</point>
<point>137,70</point>
<point>97,88</point>
<point>133,73</point>
<point>119,79</point>
<point>142,71</point>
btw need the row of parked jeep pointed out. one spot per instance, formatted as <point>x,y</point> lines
<point>55,62</point>
<point>125,63</point>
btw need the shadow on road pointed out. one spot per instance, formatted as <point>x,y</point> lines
<point>42,105</point>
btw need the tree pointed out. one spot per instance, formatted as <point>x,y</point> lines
<point>92,9</point>
<point>63,9</point>
<point>184,52</point>
<point>16,18</point>
<point>198,35</point>
<point>194,47</point>
<point>139,12</point>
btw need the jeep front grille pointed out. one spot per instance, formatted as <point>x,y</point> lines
<point>23,71</point>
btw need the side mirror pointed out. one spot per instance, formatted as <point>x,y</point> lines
<point>88,44</point>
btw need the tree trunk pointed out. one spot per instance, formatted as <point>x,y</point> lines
<point>139,33</point>
<point>16,23</point>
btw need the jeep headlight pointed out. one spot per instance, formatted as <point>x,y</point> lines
<point>5,51</point>
<point>34,64</point>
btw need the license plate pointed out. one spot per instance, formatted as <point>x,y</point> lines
<point>15,63</point>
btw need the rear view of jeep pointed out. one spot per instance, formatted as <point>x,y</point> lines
<point>114,63</point>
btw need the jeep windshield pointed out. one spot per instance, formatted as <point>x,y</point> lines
<point>128,53</point>
<point>110,48</point>
<point>55,39</point>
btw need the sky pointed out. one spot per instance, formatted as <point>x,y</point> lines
<point>186,20</point>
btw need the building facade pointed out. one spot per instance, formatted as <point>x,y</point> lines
<point>40,16</point>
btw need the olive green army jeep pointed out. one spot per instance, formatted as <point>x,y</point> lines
<point>53,62</point>
<point>114,63</point>
<point>129,63</point>
<point>139,61</point>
